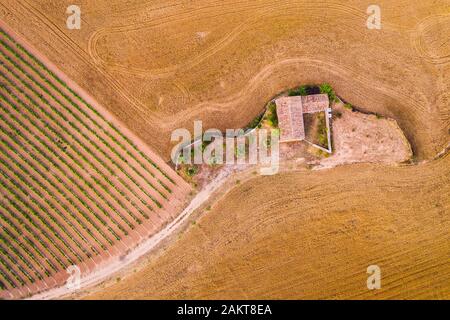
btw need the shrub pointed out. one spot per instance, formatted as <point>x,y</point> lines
<point>337,114</point>
<point>181,159</point>
<point>303,91</point>
<point>255,122</point>
<point>204,145</point>
<point>326,88</point>
<point>272,117</point>
<point>348,106</point>
<point>322,135</point>
<point>191,171</point>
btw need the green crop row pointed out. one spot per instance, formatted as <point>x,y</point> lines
<point>23,237</point>
<point>4,253</point>
<point>62,172</point>
<point>10,147</point>
<point>68,234</point>
<point>37,161</point>
<point>30,230</point>
<point>13,249</point>
<point>28,217</point>
<point>32,223</point>
<point>6,279</point>
<point>82,111</point>
<point>84,147</point>
<point>11,236</point>
<point>40,151</point>
<point>52,195</point>
<point>50,149</point>
<point>42,209</point>
<point>13,273</point>
<point>51,205</point>
<point>46,102</point>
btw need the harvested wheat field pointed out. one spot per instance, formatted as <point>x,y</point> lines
<point>312,235</point>
<point>172,62</point>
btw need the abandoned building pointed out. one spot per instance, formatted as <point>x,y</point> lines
<point>290,112</point>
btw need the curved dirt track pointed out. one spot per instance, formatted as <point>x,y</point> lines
<point>312,234</point>
<point>432,28</point>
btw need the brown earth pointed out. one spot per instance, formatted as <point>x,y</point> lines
<point>359,137</point>
<point>312,234</point>
<point>171,62</point>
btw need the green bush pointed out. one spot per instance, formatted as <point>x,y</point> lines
<point>272,117</point>
<point>326,88</point>
<point>303,90</point>
<point>322,135</point>
<point>348,106</point>
<point>337,114</point>
<point>191,171</point>
<point>300,91</point>
<point>255,122</point>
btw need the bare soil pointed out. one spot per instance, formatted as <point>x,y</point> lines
<point>359,137</point>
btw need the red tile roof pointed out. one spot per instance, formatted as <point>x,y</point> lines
<point>290,118</point>
<point>290,114</point>
<point>315,103</point>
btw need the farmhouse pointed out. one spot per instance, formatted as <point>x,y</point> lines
<point>290,112</point>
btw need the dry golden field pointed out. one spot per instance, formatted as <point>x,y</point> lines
<point>312,235</point>
<point>159,65</point>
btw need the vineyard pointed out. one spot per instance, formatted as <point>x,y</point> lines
<point>76,189</point>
